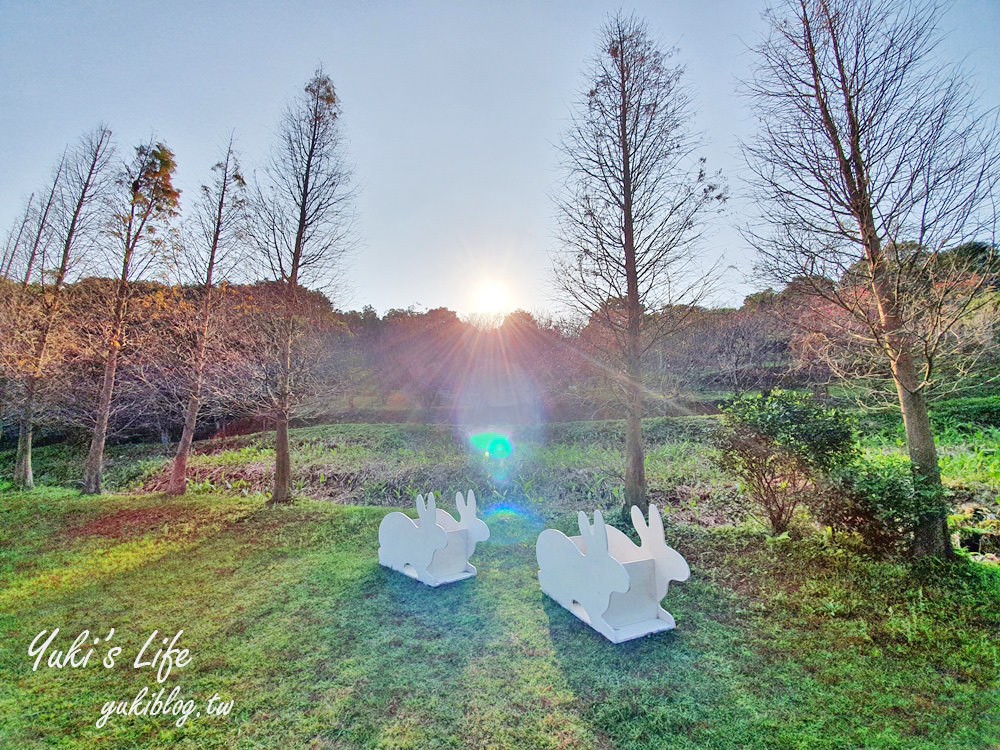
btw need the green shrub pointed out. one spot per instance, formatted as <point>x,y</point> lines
<point>877,498</point>
<point>967,414</point>
<point>797,425</point>
<point>780,446</point>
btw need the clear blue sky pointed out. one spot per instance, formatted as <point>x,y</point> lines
<point>451,110</point>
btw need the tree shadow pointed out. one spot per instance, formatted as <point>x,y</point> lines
<point>684,687</point>
<point>393,656</point>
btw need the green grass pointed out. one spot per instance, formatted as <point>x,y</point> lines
<point>62,464</point>
<point>780,643</point>
<point>555,469</point>
<point>286,612</point>
<point>969,459</point>
<point>959,415</point>
<point>560,467</point>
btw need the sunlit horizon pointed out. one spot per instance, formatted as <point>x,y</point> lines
<point>491,297</point>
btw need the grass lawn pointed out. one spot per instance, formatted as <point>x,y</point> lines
<point>779,644</point>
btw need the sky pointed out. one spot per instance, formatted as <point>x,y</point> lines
<point>452,113</point>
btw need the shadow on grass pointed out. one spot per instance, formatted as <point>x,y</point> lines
<point>382,662</point>
<point>681,688</point>
<point>287,613</point>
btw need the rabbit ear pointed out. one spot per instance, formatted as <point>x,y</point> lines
<point>471,504</point>
<point>600,535</point>
<point>584,524</point>
<point>655,524</point>
<point>639,522</point>
<point>431,507</point>
<point>463,509</point>
<point>421,508</point>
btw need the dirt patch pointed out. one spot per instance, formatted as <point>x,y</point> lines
<point>129,524</point>
<point>701,505</point>
<point>251,477</point>
<point>221,444</point>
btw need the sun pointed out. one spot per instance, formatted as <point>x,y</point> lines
<point>491,297</point>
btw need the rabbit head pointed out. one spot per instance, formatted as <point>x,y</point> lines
<point>426,511</point>
<point>477,528</point>
<point>650,534</point>
<point>671,566</point>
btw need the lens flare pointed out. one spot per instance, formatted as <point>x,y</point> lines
<point>492,445</point>
<point>496,450</point>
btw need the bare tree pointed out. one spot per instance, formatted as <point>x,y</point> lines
<point>630,212</point>
<point>302,219</point>
<point>219,218</point>
<point>16,242</point>
<point>870,162</point>
<point>26,243</point>
<point>62,226</point>
<point>748,350</point>
<point>144,200</point>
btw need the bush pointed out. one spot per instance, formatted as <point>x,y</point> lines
<point>780,446</point>
<point>967,414</point>
<point>878,499</point>
<point>797,425</point>
<point>875,498</point>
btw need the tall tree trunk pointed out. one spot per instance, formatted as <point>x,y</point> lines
<point>282,462</point>
<point>281,493</point>
<point>23,475</point>
<point>178,475</point>
<point>178,471</point>
<point>95,456</point>
<point>931,538</point>
<point>635,469</point>
<point>931,535</point>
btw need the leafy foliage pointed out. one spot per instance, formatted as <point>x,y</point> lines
<point>778,445</point>
<point>875,497</point>
<point>967,413</point>
<point>821,438</point>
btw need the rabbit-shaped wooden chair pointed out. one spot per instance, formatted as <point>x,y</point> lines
<point>579,573</point>
<point>436,548</point>
<point>619,592</point>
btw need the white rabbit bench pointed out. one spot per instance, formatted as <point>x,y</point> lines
<point>435,549</point>
<point>606,580</point>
